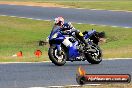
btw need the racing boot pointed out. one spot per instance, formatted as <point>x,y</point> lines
<point>80,36</point>
<point>85,43</point>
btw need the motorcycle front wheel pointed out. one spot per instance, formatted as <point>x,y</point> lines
<point>58,60</point>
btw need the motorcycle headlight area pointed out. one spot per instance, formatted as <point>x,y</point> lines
<point>55,35</point>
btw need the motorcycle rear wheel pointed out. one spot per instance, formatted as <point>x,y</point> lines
<point>94,57</point>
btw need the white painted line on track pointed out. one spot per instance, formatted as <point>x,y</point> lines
<point>126,27</point>
<point>114,26</point>
<point>75,86</point>
<point>79,23</point>
<point>72,22</point>
<point>40,19</point>
<point>117,59</point>
<point>37,87</point>
<point>79,8</point>
<point>103,10</point>
<point>3,15</point>
<point>92,24</point>
<point>12,16</point>
<point>76,8</point>
<point>64,7</point>
<point>25,17</point>
<point>50,61</point>
<point>95,9</point>
<point>24,62</point>
<point>48,20</point>
<point>55,86</point>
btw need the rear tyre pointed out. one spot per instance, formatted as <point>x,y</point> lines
<point>81,80</point>
<point>58,60</point>
<point>94,57</point>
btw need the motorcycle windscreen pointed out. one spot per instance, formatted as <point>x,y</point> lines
<point>56,40</point>
<point>89,33</point>
<point>53,31</point>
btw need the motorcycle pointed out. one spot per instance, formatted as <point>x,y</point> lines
<point>69,48</point>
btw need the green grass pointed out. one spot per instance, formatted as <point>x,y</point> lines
<point>107,5</point>
<point>23,35</point>
<point>90,4</point>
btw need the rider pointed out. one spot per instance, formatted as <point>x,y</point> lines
<point>68,28</point>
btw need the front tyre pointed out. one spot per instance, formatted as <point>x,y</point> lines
<point>58,60</point>
<point>94,56</point>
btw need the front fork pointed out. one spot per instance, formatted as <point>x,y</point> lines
<point>59,51</point>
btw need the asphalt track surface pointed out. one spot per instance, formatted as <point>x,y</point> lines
<point>102,17</point>
<point>28,75</point>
